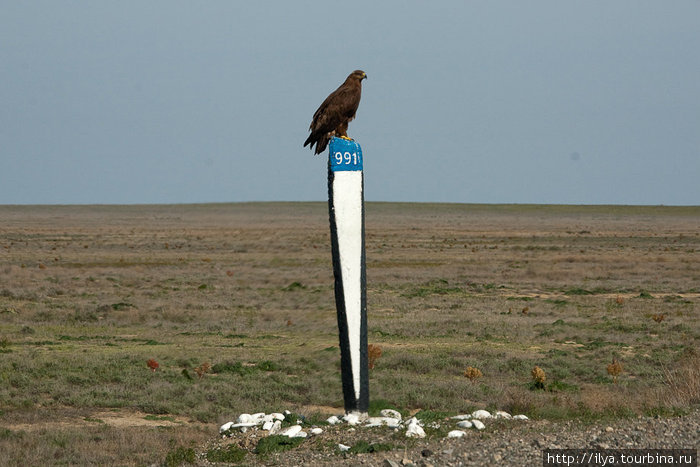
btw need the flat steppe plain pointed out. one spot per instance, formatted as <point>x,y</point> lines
<point>243,295</point>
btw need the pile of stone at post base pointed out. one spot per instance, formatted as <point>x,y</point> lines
<point>297,427</point>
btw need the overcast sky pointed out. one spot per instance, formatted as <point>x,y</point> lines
<point>576,102</point>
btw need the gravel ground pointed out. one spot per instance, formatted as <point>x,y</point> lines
<point>501,443</point>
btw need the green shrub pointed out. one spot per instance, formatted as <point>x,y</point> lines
<point>276,443</point>
<point>179,456</point>
<point>232,367</point>
<point>365,447</point>
<point>231,454</point>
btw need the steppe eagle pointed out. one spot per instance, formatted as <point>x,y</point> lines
<point>332,117</point>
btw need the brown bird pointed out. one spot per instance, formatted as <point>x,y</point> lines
<point>332,117</point>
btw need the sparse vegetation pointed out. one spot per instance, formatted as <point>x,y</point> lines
<point>473,374</point>
<point>202,369</point>
<point>152,364</point>
<point>276,443</point>
<point>179,456</point>
<point>658,317</point>
<point>614,369</point>
<point>76,337</point>
<point>373,354</point>
<point>230,454</point>
<point>362,447</point>
<point>538,378</point>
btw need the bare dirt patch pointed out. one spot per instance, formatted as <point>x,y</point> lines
<point>114,418</point>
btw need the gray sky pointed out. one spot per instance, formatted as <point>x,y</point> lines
<point>581,102</point>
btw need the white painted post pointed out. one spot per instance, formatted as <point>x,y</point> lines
<point>347,219</point>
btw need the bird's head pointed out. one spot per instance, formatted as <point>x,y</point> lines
<point>359,75</point>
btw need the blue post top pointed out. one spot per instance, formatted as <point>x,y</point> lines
<point>345,155</point>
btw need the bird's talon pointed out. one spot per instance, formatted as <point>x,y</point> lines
<point>347,138</point>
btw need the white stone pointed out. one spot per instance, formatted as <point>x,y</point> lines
<point>316,431</point>
<point>414,429</point>
<point>267,418</point>
<point>244,418</point>
<point>456,434</point>
<point>520,417</point>
<point>481,414</point>
<point>301,434</point>
<point>287,412</point>
<point>462,417</point>
<point>276,426</point>
<point>258,417</point>
<point>502,414</point>
<point>414,420</point>
<point>478,425</point>
<point>343,447</point>
<point>374,421</point>
<point>390,413</point>
<point>225,427</point>
<point>290,431</point>
<point>244,425</point>
<point>392,422</point>
<point>332,420</point>
<point>267,426</point>
<point>352,418</point>
<point>383,421</point>
<point>465,424</point>
<point>277,416</point>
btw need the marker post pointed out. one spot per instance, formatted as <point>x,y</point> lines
<point>346,209</point>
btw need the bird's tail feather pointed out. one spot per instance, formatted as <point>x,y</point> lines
<point>321,144</point>
<point>309,140</point>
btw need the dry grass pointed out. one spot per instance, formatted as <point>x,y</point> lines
<point>373,354</point>
<point>614,369</point>
<point>473,374</point>
<point>89,294</point>
<point>683,382</point>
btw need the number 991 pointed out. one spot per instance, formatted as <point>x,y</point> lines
<point>346,158</point>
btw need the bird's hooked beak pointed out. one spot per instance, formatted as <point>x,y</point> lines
<point>364,76</point>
